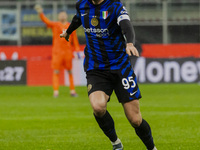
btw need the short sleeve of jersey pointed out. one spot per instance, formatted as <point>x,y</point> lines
<point>121,13</point>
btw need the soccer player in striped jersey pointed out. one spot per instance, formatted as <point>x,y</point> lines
<point>110,37</point>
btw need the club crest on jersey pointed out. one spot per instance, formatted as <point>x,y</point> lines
<point>94,21</point>
<point>104,14</point>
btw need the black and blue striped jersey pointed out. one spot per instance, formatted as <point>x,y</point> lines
<point>105,43</point>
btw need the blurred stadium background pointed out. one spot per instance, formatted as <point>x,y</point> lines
<point>168,38</point>
<point>164,29</point>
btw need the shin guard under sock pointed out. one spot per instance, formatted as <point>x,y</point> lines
<point>144,132</point>
<point>106,123</point>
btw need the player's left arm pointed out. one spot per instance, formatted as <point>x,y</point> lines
<point>128,32</point>
<point>123,21</point>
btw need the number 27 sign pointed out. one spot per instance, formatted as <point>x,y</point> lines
<point>12,72</point>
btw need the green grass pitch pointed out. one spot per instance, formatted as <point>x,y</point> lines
<point>31,119</point>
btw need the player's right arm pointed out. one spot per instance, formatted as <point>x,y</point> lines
<point>39,10</point>
<point>76,22</point>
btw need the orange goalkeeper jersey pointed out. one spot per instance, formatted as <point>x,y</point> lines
<point>60,45</point>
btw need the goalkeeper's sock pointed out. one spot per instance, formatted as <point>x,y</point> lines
<point>71,82</point>
<point>55,81</point>
<point>106,123</point>
<point>55,94</point>
<point>144,133</point>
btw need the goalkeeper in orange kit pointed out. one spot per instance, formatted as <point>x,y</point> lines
<point>62,52</point>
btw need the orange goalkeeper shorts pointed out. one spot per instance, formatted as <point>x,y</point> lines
<point>61,62</point>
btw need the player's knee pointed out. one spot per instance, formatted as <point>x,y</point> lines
<point>99,111</point>
<point>135,121</point>
<point>56,71</point>
<point>98,102</point>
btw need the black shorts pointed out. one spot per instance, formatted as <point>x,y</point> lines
<point>123,82</point>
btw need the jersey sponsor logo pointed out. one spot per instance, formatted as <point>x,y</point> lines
<point>104,14</point>
<point>98,32</point>
<point>94,21</point>
<point>89,87</point>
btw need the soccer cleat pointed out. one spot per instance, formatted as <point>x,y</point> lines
<point>118,146</point>
<point>154,148</point>
<point>73,93</point>
<point>55,94</point>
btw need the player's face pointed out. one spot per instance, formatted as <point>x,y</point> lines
<point>62,16</point>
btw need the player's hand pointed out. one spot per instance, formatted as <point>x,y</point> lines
<point>131,50</point>
<point>38,8</point>
<point>65,35</point>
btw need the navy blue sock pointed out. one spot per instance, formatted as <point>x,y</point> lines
<point>144,132</point>
<point>106,123</point>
